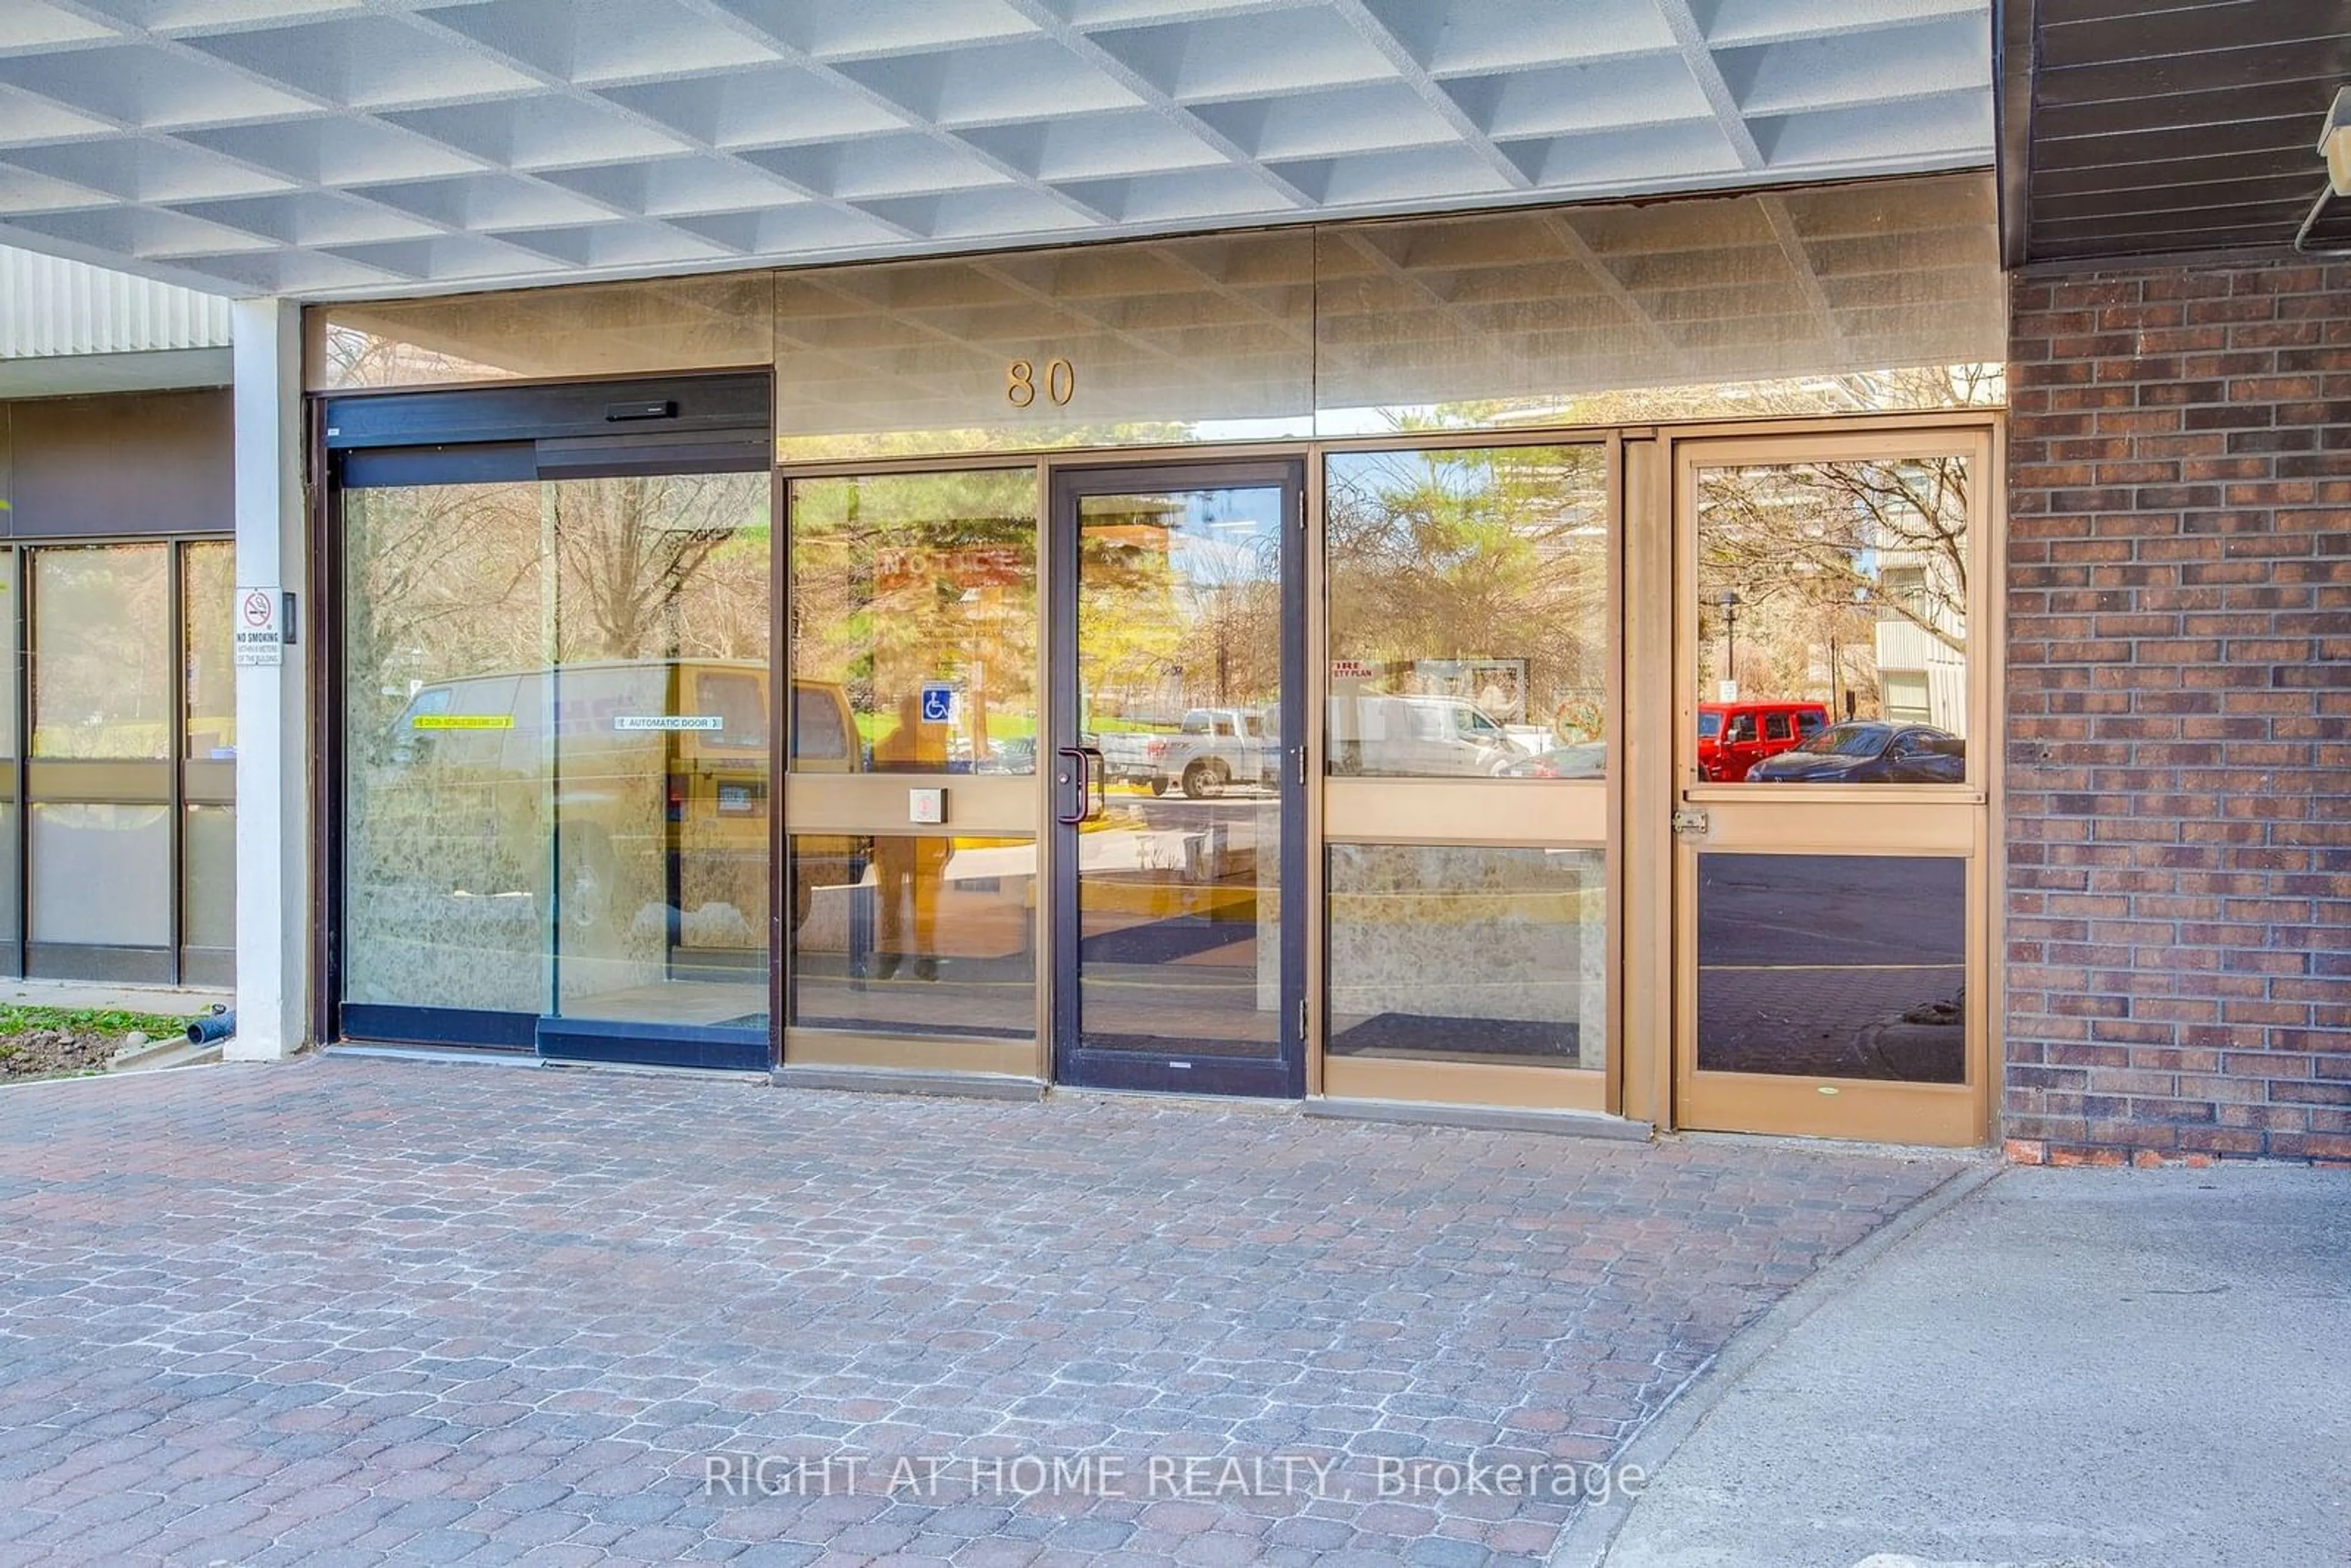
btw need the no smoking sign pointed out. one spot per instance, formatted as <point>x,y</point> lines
<point>260,628</point>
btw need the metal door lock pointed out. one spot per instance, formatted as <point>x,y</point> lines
<point>1689,823</point>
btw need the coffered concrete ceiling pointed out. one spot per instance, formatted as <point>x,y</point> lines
<point>319,148</point>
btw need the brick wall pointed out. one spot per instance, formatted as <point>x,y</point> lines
<point>2179,812</point>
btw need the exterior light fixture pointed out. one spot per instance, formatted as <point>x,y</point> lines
<point>2327,230</point>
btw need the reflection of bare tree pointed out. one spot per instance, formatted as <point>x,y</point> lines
<point>1828,532</point>
<point>444,581</point>
<point>903,579</point>
<point>1490,552</point>
<point>643,560</point>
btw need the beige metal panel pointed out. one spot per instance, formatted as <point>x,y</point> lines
<point>978,804</point>
<point>209,783</point>
<point>1475,811</point>
<point>1647,766</point>
<point>51,307</point>
<point>1802,1107</point>
<point>1465,1083</point>
<point>1840,827</point>
<point>825,1048</point>
<point>1613,1058</point>
<point>129,783</point>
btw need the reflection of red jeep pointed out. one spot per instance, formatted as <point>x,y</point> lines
<point>1734,736</point>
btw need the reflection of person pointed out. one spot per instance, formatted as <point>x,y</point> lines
<point>910,868</point>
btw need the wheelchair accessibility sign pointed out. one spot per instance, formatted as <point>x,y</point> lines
<point>938,702</point>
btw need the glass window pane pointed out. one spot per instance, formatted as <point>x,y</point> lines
<point>1150,344</point>
<point>1469,612</point>
<point>717,321</point>
<point>101,632</point>
<point>207,583</point>
<point>1836,591</point>
<point>911,583</point>
<point>660,748</point>
<point>9,924</point>
<point>102,878</point>
<point>208,895</point>
<point>1454,952</point>
<point>1879,296</point>
<point>446,870</point>
<point>1832,966</point>
<point>914,935</point>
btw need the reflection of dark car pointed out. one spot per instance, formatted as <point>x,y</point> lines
<point>1871,751</point>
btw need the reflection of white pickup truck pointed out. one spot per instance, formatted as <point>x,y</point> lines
<point>1212,748</point>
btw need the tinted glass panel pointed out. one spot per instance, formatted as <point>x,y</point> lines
<point>1844,585</point>
<point>909,590</point>
<point>1450,953</point>
<point>914,935</point>
<point>447,874</point>
<point>661,793</point>
<point>207,585</point>
<point>1832,966</point>
<point>103,684</point>
<point>1469,612</point>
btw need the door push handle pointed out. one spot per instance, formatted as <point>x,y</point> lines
<point>1076,768</point>
<point>1094,799</point>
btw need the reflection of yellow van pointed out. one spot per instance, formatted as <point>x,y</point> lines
<point>655,771</point>
<point>825,740</point>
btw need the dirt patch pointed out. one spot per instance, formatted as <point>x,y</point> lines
<point>47,1052</point>
<point>59,1042</point>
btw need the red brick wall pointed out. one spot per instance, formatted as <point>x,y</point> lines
<point>2179,810</point>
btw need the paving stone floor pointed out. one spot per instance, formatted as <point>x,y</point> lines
<point>352,1311</point>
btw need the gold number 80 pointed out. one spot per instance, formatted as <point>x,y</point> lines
<point>1020,383</point>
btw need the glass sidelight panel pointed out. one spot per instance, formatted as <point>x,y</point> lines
<point>1832,620</point>
<point>11,774</point>
<point>1469,629</point>
<point>908,583</point>
<point>1848,966</point>
<point>208,766</point>
<point>446,877</point>
<point>1456,953</point>
<point>1180,788</point>
<point>658,748</point>
<point>908,934</point>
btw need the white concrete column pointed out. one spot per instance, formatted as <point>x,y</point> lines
<point>273,718</point>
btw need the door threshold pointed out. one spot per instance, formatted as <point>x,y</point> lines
<point>909,1081</point>
<point>1176,1099</point>
<point>1491,1118</point>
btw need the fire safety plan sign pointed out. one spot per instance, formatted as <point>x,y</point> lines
<point>260,626</point>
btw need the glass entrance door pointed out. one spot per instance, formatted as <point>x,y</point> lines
<point>1828,810</point>
<point>1177,771</point>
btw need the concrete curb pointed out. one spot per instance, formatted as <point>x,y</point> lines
<point>1589,1537</point>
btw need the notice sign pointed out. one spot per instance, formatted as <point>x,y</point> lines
<point>644,721</point>
<point>260,634</point>
<point>461,721</point>
<point>938,702</point>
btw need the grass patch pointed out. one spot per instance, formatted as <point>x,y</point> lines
<point>92,1020</point>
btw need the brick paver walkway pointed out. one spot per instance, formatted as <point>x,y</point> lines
<point>350,1311</point>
